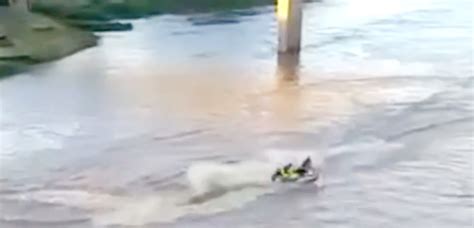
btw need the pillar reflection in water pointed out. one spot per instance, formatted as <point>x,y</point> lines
<point>287,101</point>
<point>288,67</point>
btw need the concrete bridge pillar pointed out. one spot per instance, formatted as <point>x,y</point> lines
<point>290,16</point>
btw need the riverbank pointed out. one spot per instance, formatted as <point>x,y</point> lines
<point>28,38</point>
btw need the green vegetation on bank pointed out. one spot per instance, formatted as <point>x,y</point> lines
<point>99,15</point>
<point>103,10</point>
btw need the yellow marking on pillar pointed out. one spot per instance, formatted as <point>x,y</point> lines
<point>283,9</point>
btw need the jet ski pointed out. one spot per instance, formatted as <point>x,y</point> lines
<point>305,173</point>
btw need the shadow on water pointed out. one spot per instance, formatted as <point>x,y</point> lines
<point>219,192</point>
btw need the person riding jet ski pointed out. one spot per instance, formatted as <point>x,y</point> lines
<point>291,173</point>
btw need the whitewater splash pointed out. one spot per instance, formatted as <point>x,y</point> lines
<point>213,187</point>
<point>210,178</point>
